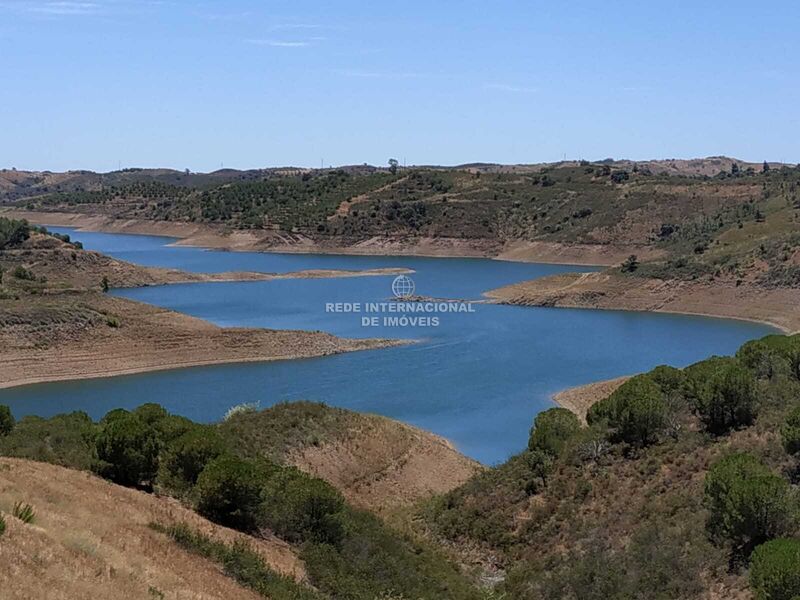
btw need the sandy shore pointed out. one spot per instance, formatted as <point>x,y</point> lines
<point>779,308</point>
<point>91,335</point>
<point>580,399</point>
<point>207,236</point>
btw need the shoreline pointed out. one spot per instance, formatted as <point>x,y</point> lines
<point>580,398</point>
<point>268,241</point>
<point>777,308</point>
<point>375,344</point>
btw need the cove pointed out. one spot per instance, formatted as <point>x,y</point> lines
<point>478,378</point>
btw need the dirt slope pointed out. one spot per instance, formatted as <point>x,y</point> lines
<point>91,540</point>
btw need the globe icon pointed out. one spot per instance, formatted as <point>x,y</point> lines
<point>403,287</point>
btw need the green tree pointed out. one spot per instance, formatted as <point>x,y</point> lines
<point>185,458</point>
<point>7,421</point>
<point>300,508</point>
<point>127,449</point>
<point>724,394</point>
<point>790,432</point>
<point>765,167</point>
<point>635,412</point>
<point>104,285</point>
<point>393,164</point>
<point>775,570</point>
<point>552,429</point>
<point>228,491</point>
<point>748,504</point>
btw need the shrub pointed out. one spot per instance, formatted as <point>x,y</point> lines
<point>186,457</point>
<point>127,449</point>
<point>635,411</point>
<point>151,413</point>
<point>748,504</point>
<point>775,570</point>
<point>669,379</point>
<point>299,508</point>
<point>790,432</point>
<point>760,357</point>
<point>13,232</point>
<point>24,512</point>
<point>228,491</point>
<point>22,273</point>
<point>723,393</point>
<point>7,421</point>
<point>552,429</point>
<point>66,440</point>
<point>240,562</point>
<point>2,524</point>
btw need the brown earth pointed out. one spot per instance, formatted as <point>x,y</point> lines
<point>209,236</point>
<point>580,399</point>
<point>381,464</point>
<point>778,307</point>
<point>89,334</point>
<point>91,539</point>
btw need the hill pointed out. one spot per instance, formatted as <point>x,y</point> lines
<point>58,324</point>
<point>377,463</point>
<point>92,539</point>
<point>665,493</point>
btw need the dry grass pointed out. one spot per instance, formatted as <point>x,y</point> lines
<point>381,465</point>
<point>91,539</point>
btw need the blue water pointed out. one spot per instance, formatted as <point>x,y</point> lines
<point>477,378</point>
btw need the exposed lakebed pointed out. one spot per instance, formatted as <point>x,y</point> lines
<point>478,378</point>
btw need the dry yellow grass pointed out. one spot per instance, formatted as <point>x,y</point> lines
<point>381,464</point>
<point>91,540</point>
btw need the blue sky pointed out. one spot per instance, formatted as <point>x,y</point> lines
<point>99,83</point>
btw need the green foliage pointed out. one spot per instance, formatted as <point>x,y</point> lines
<point>760,357</point>
<point>669,379</point>
<point>240,562</point>
<point>127,450</point>
<point>723,393</point>
<point>775,570</point>
<point>23,274</point>
<point>635,412</point>
<point>748,504</point>
<point>631,264</point>
<point>552,429</point>
<point>7,421</point>
<point>299,507</point>
<point>66,440</point>
<point>13,233</point>
<point>184,458</point>
<point>228,491</point>
<point>790,432</point>
<point>2,525</point>
<point>24,512</point>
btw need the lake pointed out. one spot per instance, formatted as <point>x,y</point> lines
<point>478,378</point>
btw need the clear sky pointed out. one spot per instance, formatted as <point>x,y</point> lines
<point>99,83</point>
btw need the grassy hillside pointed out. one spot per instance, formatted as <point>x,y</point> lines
<point>345,552</point>
<point>630,506</point>
<point>741,222</point>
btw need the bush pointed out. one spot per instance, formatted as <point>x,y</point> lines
<point>24,512</point>
<point>790,432</point>
<point>669,379</point>
<point>66,440</point>
<point>760,357</point>
<point>748,504</point>
<point>723,393</point>
<point>7,421</point>
<point>127,449</point>
<point>775,570</point>
<point>298,507</point>
<point>22,273</point>
<point>2,525</point>
<point>13,233</point>
<point>186,457</point>
<point>552,429</point>
<point>228,491</point>
<point>635,412</point>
